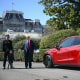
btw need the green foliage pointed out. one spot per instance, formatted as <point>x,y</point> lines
<point>18,42</point>
<point>64,14</point>
<point>18,45</point>
<point>38,57</point>
<point>18,56</point>
<point>18,38</point>
<point>36,42</point>
<point>53,39</point>
<point>1,55</point>
<point>78,31</point>
<point>43,45</point>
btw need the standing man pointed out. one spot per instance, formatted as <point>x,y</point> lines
<point>28,47</point>
<point>7,49</point>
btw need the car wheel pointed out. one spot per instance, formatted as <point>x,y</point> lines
<point>48,61</point>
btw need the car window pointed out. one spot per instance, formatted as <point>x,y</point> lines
<point>67,42</point>
<point>76,41</point>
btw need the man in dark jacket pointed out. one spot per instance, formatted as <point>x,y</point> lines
<point>28,47</point>
<point>7,49</point>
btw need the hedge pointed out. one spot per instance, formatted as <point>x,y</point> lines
<point>1,55</point>
<point>53,39</point>
<point>18,38</point>
<point>78,31</point>
<point>43,45</point>
<point>38,57</point>
<point>20,43</point>
<point>18,56</point>
<point>17,44</point>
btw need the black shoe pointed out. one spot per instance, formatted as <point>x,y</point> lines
<point>8,66</point>
<point>11,66</point>
<point>4,68</point>
<point>25,67</point>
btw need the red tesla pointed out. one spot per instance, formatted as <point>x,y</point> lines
<point>66,53</point>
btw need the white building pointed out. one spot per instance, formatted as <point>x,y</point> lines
<point>14,20</point>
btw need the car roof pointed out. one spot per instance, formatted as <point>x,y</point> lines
<point>72,36</point>
<point>67,38</point>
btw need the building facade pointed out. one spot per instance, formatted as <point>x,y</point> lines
<point>14,20</point>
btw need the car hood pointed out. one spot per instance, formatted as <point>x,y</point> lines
<point>51,50</point>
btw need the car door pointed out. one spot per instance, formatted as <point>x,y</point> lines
<point>64,49</point>
<point>75,51</point>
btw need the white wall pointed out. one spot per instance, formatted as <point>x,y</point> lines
<point>31,34</point>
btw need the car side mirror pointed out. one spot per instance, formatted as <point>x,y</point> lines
<point>57,46</point>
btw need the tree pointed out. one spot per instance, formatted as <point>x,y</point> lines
<point>64,13</point>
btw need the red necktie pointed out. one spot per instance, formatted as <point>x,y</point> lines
<point>28,45</point>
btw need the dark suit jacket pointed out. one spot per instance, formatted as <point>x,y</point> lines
<point>7,46</point>
<point>31,47</point>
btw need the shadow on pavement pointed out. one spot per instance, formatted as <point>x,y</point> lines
<point>68,68</point>
<point>18,68</point>
<point>32,68</point>
<point>38,68</point>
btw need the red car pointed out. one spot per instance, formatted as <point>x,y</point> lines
<point>66,53</point>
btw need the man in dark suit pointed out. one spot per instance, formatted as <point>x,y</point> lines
<point>28,47</point>
<point>7,49</point>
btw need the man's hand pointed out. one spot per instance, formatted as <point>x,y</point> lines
<point>10,52</point>
<point>3,52</point>
<point>19,50</point>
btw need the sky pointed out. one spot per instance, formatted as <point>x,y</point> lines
<point>30,8</point>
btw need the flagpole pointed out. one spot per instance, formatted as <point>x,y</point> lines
<point>12,4</point>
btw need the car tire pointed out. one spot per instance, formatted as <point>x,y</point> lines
<point>48,61</point>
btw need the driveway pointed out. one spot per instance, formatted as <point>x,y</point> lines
<point>39,72</point>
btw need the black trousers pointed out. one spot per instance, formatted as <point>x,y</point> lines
<point>28,59</point>
<point>10,59</point>
<point>5,58</point>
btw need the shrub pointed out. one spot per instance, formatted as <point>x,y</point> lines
<point>36,42</point>
<point>19,56</point>
<point>18,45</point>
<point>18,41</point>
<point>53,39</point>
<point>38,57</point>
<point>1,55</point>
<point>78,31</point>
<point>18,38</point>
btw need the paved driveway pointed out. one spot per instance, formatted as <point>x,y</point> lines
<point>39,72</point>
